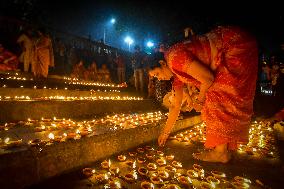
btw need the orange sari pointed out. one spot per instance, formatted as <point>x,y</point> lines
<point>43,56</point>
<point>233,57</point>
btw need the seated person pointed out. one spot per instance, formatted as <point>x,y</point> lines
<point>78,71</point>
<point>91,72</point>
<point>104,74</point>
<point>8,60</point>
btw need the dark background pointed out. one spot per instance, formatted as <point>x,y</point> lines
<point>142,20</point>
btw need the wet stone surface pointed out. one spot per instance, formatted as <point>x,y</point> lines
<point>154,167</point>
<point>23,134</point>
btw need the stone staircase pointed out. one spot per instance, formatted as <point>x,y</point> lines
<point>25,109</point>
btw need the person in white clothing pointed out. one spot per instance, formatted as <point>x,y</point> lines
<point>27,56</point>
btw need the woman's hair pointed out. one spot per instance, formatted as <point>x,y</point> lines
<point>155,65</point>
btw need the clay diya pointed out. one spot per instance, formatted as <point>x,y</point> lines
<point>142,171</point>
<point>140,150</point>
<point>121,157</point>
<point>130,177</point>
<point>212,180</point>
<point>147,185</point>
<point>192,173</point>
<point>88,172</point>
<point>132,154</point>
<point>150,156</point>
<point>160,153</point>
<point>163,174</point>
<point>156,180</point>
<point>161,162</point>
<point>170,168</point>
<point>177,164</point>
<point>148,148</point>
<point>171,186</point>
<point>218,174</point>
<point>170,157</point>
<point>152,166</point>
<point>185,180</point>
<point>141,160</point>
<point>105,164</point>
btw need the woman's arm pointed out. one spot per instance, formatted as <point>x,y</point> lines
<point>174,111</point>
<point>201,73</point>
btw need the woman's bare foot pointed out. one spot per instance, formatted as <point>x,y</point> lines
<point>213,156</point>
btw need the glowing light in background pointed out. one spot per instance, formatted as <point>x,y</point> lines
<point>150,44</point>
<point>112,20</point>
<point>129,41</point>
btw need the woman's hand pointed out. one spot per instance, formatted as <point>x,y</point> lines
<point>163,138</point>
<point>177,95</point>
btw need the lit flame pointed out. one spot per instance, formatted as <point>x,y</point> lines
<point>51,136</point>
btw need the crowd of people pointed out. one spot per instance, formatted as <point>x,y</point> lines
<point>36,54</point>
<point>271,76</point>
<point>43,54</point>
<point>143,82</point>
<point>92,73</point>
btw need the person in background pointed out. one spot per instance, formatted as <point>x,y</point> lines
<point>138,67</point>
<point>274,73</point>
<point>27,45</point>
<point>8,60</point>
<point>78,71</point>
<point>120,68</point>
<point>92,72</point>
<point>43,55</point>
<point>60,54</point>
<point>104,74</point>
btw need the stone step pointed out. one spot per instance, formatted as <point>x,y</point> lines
<point>11,111</point>
<point>37,164</point>
<point>18,81</point>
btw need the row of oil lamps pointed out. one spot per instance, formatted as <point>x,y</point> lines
<point>69,129</point>
<point>66,88</point>
<point>76,81</point>
<point>261,139</point>
<point>258,145</point>
<point>68,98</point>
<point>72,81</point>
<point>151,168</point>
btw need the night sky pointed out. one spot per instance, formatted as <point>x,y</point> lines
<point>142,20</point>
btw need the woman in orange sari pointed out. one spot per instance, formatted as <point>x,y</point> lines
<point>43,55</point>
<point>223,65</point>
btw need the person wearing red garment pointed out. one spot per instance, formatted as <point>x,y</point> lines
<point>8,60</point>
<point>223,65</point>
